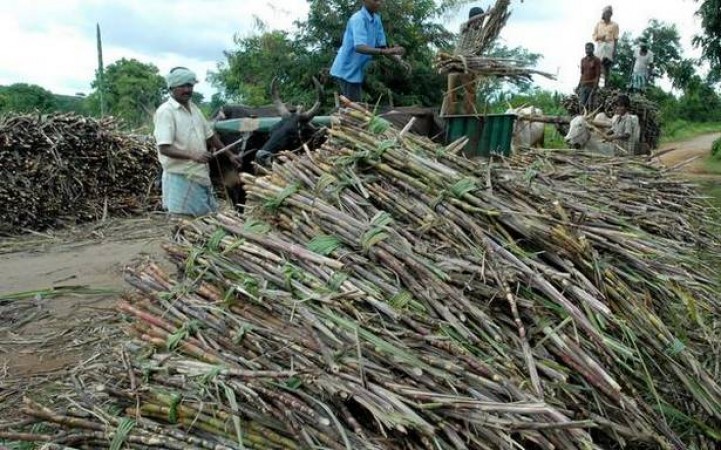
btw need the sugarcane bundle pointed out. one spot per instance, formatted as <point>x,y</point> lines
<point>486,66</point>
<point>476,39</point>
<point>480,32</point>
<point>604,100</point>
<point>64,168</point>
<point>385,293</point>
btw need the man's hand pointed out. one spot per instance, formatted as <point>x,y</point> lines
<point>237,161</point>
<point>395,50</point>
<point>201,158</point>
<point>405,64</point>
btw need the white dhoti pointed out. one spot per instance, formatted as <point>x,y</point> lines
<point>604,50</point>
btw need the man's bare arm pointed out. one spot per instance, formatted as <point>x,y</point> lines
<point>173,152</point>
<point>368,50</point>
<point>214,142</point>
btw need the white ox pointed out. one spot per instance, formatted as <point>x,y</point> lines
<point>527,133</point>
<point>581,137</point>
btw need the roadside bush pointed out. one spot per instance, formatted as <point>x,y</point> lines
<point>716,149</point>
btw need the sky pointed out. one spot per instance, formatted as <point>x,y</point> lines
<point>52,42</point>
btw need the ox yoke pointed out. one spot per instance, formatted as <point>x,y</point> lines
<point>262,124</point>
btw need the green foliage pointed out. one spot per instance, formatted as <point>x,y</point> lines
<point>133,90</point>
<point>413,25</point>
<point>324,244</point>
<point>245,76</point>
<point>700,102</point>
<point>678,130</point>
<point>121,433</point>
<point>664,41</point>
<point>549,102</point>
<point>716,149</point>
<point>22,98</point>
<point>295,57</point>
<point>463,187</point>
<point>71,103</point>
<point>710,39</point>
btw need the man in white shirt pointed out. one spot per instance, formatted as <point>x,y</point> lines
<point>606,37</point>
<point>625,130</point>
<point>183,136</point>
<point>641,67</point>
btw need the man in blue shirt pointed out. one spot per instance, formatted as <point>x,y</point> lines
<point>363,38</point>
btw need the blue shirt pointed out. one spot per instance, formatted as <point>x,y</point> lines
<point>363,28</point>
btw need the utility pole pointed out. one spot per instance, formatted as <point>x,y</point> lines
<point>101,74</point>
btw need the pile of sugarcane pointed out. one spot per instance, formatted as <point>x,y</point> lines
<point>476,39</point>
<point>385,293</point>
<point>486,67</point>
<point>604,101</point>
<point>64,169</point>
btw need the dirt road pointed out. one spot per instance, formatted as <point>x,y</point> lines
<point>698,148</point>
<point>44,333</point>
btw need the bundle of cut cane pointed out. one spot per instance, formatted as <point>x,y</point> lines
<point>64,169</point>
<point>384,293</point>
<point>480,32</point>
<point>604,100</point>
<point>486,66</point>
<point>476,38</point>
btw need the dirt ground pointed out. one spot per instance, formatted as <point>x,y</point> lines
<point>57,296</point>
<point>690,154</point>
<point>47,335</point>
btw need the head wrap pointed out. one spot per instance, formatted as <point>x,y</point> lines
<point>180,76</point>
<point>608,8</point>
<point>475,11</point>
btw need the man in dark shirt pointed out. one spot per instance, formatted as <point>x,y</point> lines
<point>591,68</point>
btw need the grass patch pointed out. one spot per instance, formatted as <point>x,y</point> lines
<point>713,166</point>
<point>716,149</point>
<point>552,138</point>
<point>712,189</point>
<point>681,129</point>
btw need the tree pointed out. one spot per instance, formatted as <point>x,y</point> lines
<point>700,102</point>
<point>623,63</point>
<point>132,91</point>
<point>665,42</point>
<point>710,40</point>
<point>413,25</point>
<point>294,58</point>
<point>71,104</point>
<point>245,76</point>
<point>22,97</point>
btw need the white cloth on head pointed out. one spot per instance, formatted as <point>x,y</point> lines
<point>180,76</point>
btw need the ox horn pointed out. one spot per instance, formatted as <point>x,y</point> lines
<point>313,111</point>
<point>279,105</point>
